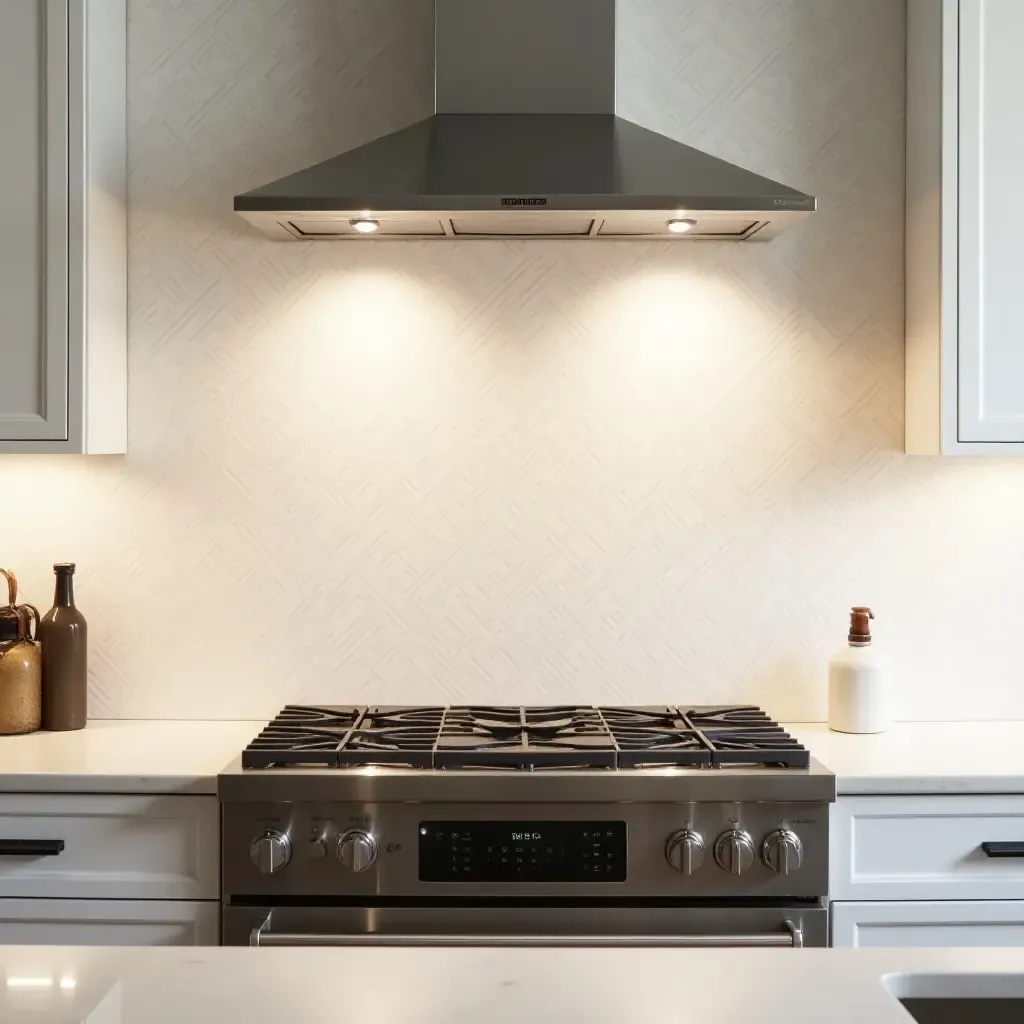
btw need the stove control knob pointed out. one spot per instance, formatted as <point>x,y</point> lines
<point>685,851</point>
<point>783,852</point>
<point>734,851</point>
<point>270,852</point>
<point>357,850</point>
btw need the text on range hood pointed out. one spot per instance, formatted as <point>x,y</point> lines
<point>525,143</point>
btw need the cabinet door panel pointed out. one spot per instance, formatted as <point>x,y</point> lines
<point>991,222</point>
<point>925,848</point>
<point>34,220</point>
<point>108,923</point>
<point>114,847</point>
<point>946,923</point>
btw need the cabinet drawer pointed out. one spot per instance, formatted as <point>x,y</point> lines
<point>108,923</point>
<point>925,848</point>
<point>123,847</point>
<point>950,923</point>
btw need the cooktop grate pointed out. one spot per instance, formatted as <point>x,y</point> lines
<point>523,738</point>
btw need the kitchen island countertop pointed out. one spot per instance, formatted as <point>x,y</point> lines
<point>54,985</point>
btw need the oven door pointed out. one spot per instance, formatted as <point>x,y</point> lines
<point>504,925</point>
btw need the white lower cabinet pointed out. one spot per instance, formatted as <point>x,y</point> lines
<point>936,923</point>
<point>927,870</point>
<point>110,847</point>
<point>82,869</point>
<point>109,923</point>
<point>927,848</point>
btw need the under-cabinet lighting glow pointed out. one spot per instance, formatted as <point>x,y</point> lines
<point>29,981</point>
<point>680,225</point>
<point>68,983</point>
<point>365,225</point>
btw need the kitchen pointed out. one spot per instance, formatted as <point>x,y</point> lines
<point>529,473</point>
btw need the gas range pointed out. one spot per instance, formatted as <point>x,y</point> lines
<point>658,825</point>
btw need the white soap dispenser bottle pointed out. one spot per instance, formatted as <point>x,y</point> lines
<point>858,691</point>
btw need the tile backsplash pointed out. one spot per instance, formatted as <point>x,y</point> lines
<point>519,471</point>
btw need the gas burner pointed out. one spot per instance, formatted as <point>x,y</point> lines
<point>408,746</point>
<point>390,717</point>
<point>655,737</point>
<point>662,715</point>
<point>323,717</point>
<point>525,756</point>
<point>728,717</point>
<point>528,726</point>
<point>753,746</point>
<point>527,738</point>
<point>662,749</point>
<point>523,738</point>
<point>302,736</point>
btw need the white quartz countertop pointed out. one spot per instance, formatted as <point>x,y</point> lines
<point>922,757</point>
<point>61,985</point>
<point>123,757</point>
<point>186,757</point>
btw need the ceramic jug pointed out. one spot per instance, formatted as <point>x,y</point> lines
<point>21,689</point>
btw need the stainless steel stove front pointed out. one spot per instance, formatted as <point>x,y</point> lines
<point>618,850</point>
<point>405,857</point>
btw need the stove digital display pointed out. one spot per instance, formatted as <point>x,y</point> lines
<point>522,851</point>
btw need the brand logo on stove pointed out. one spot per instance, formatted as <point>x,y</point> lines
<point>524,201</point>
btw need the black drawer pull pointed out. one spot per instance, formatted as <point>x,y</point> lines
<point>1003,849</point>
<point>31,847</point>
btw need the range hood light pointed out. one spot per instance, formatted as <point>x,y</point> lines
<point>365,225</point>
<point>680,225</point>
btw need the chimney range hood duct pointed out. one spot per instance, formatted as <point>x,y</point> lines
<point>524,143</point>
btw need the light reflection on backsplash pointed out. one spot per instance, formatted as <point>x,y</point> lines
<point>512,471</point>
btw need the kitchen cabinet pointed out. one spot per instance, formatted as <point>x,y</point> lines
<point>63,269</point>
<point>913,871</point>
<point>108,923</point>
<point>937,923</point>
<point>925,848</point>
<point>111,847</point>
<point>109,869</point>
<point>965,219</point>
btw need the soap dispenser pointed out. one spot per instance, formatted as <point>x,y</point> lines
<point>858,691</point>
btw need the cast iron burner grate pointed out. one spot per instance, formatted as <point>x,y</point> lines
<point>523,738</point>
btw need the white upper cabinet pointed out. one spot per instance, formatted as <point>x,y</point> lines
<point>965,223</point>
<point>63,282</point>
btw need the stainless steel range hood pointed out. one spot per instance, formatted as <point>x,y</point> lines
<point>525,143</point>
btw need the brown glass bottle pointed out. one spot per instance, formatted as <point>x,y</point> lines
<point>62,634</point>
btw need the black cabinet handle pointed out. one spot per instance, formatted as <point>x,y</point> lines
<point>31,847</point>
<point>1003,849</point>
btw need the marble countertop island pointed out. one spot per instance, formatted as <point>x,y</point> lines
<point>69,985</point>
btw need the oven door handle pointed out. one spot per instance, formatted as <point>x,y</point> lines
<point>791,938</point>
